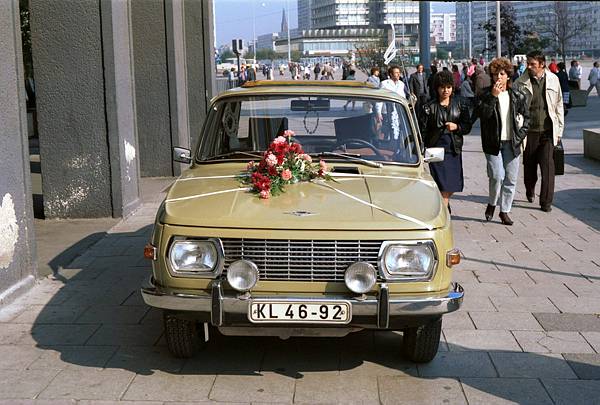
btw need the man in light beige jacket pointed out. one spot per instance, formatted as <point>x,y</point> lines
<point>546,125</point>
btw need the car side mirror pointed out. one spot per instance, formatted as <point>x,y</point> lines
<point>434,155</point>
<point>182,155</point>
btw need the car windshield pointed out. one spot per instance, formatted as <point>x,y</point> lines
<point>342,128</point>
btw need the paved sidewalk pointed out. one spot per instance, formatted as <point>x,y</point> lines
<point>529,331</point>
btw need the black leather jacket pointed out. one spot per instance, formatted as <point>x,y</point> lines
<point>488,111</point>
<point>432,119</point>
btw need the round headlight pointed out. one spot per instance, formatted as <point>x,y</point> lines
<point>360,277</point>
<point>242,275</point>
<point>194,256</point>
<point>409,260</point>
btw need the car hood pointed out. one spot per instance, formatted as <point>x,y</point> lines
<point>351,202</point>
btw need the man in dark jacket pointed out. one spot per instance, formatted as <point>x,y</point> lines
<point>504,116</point>
<point>418,85</point>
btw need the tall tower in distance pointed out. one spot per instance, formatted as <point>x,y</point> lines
<point>284,21</point>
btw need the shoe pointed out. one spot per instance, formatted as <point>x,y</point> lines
<point>489,212</point>
<point>547,208</point>
<point>530,197</point>
<point>505,218</point>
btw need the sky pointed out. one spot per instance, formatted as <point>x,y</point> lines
<point>234,18</point>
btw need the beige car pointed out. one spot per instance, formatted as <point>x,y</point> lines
<point>367,245</point>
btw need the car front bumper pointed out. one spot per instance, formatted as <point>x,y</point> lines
<point>229,308</point>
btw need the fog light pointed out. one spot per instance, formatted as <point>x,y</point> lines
<point>242,275</point>
<point>360,277</point>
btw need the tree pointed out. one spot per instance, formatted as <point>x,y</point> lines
<point>510,31</point>
<point>532,41</point>
<point>561,25</point>
<point>370,54</point>
<point>227,54</point>
<point>266,54</point>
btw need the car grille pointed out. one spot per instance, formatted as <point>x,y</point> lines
<point>302,260</point>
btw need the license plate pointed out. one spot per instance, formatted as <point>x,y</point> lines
<point>300,312</point>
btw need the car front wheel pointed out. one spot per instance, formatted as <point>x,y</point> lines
<point>420,344</point>
<point>182,336</point>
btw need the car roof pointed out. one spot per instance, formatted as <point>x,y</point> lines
<point>311,87</point>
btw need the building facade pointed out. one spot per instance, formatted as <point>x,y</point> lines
<point>267,41</point>
<point>331,14</point>
<point>443,27</point>
<point>304,14</point>
<point>529,15</point>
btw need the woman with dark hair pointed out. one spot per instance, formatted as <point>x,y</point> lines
<point>504,116</point>
<point>443,122</point>
<point>563,78</point>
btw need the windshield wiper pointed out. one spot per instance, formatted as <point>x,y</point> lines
<point>351,156</point>
<point>251,153</point>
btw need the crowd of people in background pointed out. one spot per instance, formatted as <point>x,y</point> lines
<point>521,107</point>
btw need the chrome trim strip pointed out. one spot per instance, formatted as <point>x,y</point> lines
<point>434,304</point>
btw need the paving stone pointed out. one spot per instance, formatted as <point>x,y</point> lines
<point>320,356</point>
<point>531,365</point>
<point>569,322</point>
<point>523,304</point>
<point>16,384</point>
<point>113,314</point>
<point>88,384</point>
<point>18,357</point>
<point>336,389</point>
<point>458,364</point>
<point>505,320</point>
<point>585,305</point>
<point>41,402</point>
<point>40,314</point>
<point>68,334</point>
<point>96,402</point>
<point>552,342</point>
<point>411,390</point>
<point>62,357</point>
<point>372,363</point>
<point>571,392</point>
<point>11,334</point>
<point>504,275</point>
<point>488,290</point>
<point>593,338</point>
<point>169,387</point>
<point>267,387</point>
<point>584,288</point>
<point>504,391</point>
<point>460,340</point>
<point>146,359</point>
<point>550,290</point>
<point>475,303</point>
<point>457,320</point>
<point>586,366</point>
<point>241,357</point>
<point>125,335</point>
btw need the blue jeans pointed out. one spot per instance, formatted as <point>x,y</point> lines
<point>503,171</point>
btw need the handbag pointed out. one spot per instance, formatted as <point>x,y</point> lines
<point>559,159</point>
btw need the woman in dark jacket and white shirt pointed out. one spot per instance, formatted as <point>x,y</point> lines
<point>504,116</point>
<point>443,122</point>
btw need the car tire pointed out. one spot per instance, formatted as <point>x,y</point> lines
<point>420,344</point>
<point>181,336</point>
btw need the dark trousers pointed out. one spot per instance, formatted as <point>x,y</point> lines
<point>539,151</point>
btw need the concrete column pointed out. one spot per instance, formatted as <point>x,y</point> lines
<point>174,65</point>
<point>199,50</point>
<point>152,87</point>
<point>82,64</point>
<point>178,79</point>
<point>120,105</point>
<point>17,244</point>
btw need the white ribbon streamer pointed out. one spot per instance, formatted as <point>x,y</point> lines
<point>394,214</point>
<point>209,194</point>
